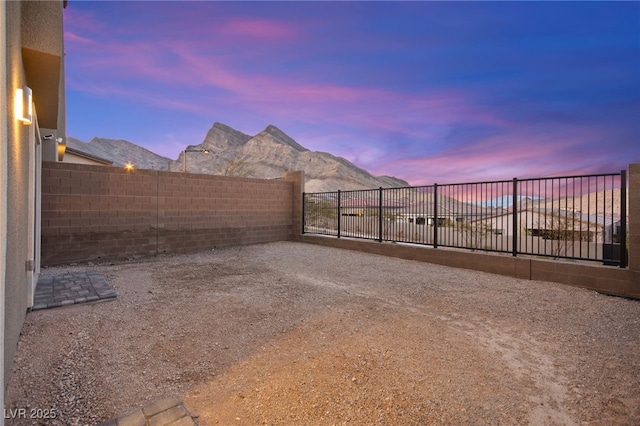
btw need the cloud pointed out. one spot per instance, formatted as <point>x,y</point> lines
<point>423,137</point>
<point>454,108</point>
<point>524,153</point>
<point>260,29</point>
<point>174,67</point>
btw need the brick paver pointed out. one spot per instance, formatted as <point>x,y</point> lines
<point>166,412</point>
<point>71,288</point>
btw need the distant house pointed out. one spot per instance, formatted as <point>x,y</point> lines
<point>32,125</point>
<point>72,155</point>
<point>551,224</point>
<point>613,232</point>
<point>370,206</point>
<point>449,213</point>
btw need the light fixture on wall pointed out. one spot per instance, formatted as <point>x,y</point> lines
<point>23,105</point>
<point>62,148</point>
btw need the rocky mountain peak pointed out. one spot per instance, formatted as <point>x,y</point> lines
<point>222,136</point>
<point>281,137</point>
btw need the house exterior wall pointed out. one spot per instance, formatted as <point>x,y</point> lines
<point>503,223</point>
<point>35,27</point>
<point>17,178</point>
<point>42,34</point>
<point>96,213</point>
<point>531,219</point>
<point>4,139</point>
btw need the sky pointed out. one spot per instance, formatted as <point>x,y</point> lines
<point>430,92</point>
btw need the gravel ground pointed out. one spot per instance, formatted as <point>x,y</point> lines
<point>290,333</point>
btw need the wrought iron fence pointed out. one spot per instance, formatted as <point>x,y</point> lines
<point>569,217</point>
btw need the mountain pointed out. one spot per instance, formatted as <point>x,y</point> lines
<point>267,155</point>
<point>506,201</point>
<point>271,153</point>
<point>120,152</point>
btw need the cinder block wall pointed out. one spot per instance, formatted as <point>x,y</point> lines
<point>99,213</point>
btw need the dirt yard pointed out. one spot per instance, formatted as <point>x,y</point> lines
<point>289,333</point>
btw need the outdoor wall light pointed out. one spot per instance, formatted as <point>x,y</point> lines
<point>129,166</point>
<point>62,148</point>
<point>23,105</point>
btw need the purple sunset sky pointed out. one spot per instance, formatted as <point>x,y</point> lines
<point>425,91</point>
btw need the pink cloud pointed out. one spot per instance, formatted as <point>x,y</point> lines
<point>422,116</point>
<point>522,153</point>
<point>220,74</point>
<point>258,28</point>
<point>77,21</point>
<point>177,63</point>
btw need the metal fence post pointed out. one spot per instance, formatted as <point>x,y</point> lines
<point>623,219</point>
<point>435,215</point>
<point>380,215</point>
<point>514,230</point>
<point>339,212</point>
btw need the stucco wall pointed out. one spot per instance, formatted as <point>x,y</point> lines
<point>17,195</point>
<point>32,30</point>
<point>97,213</point>
<point>43,47</point>
<point>4,116</point>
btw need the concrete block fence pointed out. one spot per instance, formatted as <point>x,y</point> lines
<point>98,213</point>
<point>92,213</point>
